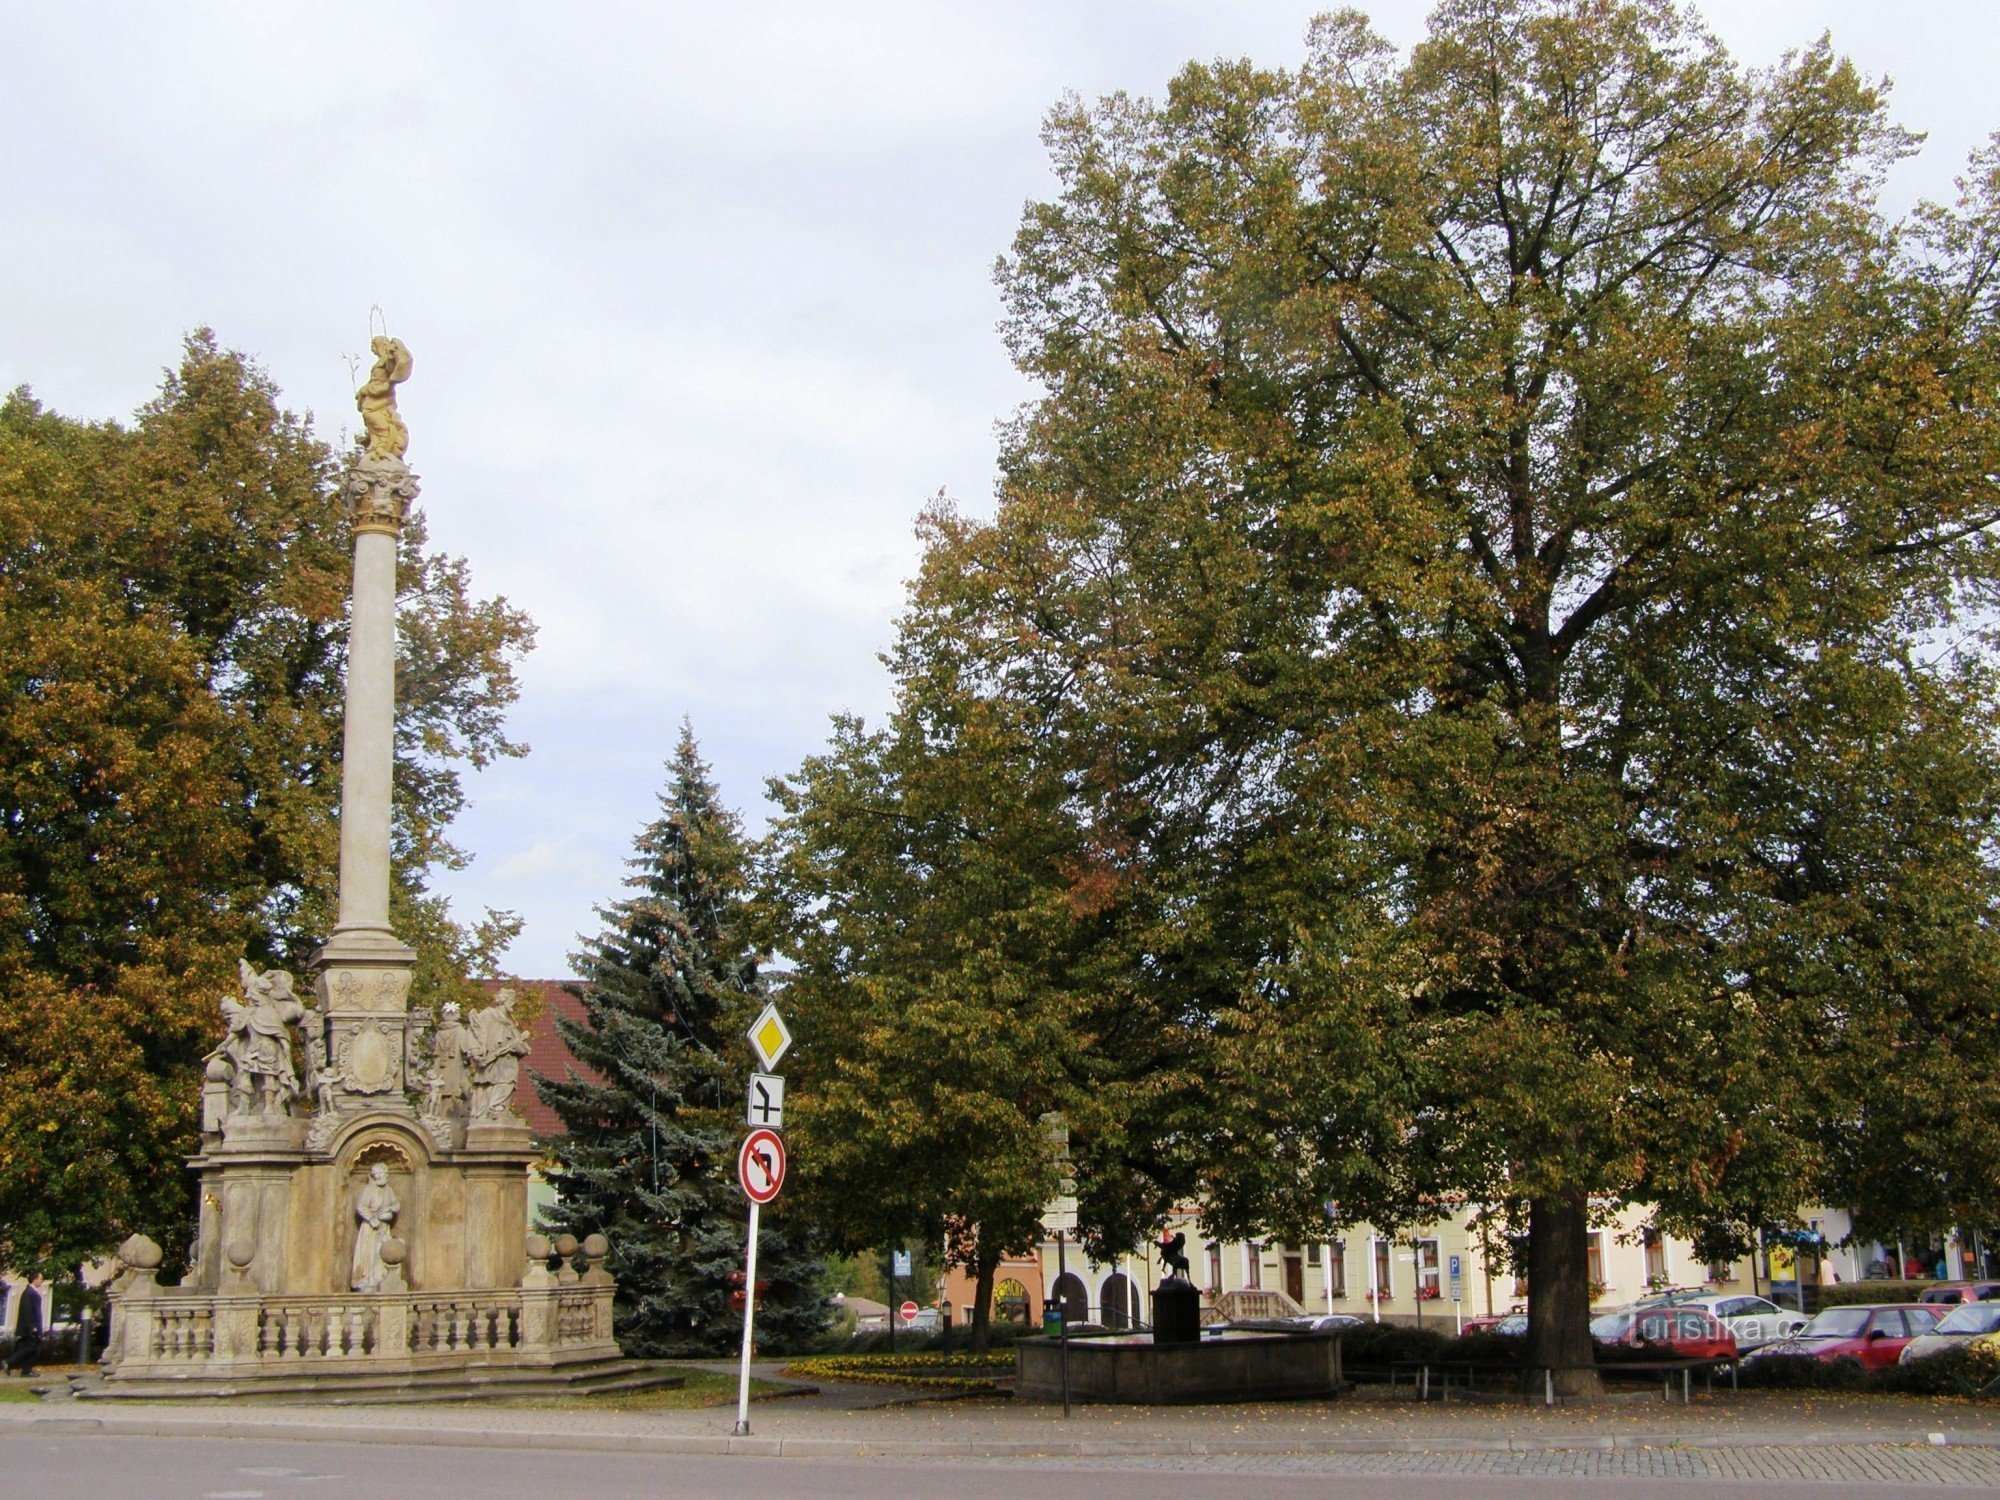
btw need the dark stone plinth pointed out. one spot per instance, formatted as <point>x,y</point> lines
<point>1134,1370</point>
<point>1176,1312</point>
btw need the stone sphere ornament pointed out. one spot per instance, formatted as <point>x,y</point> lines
<point>596,1247</point>
<point>141,1253</point>
<point>241,1253</point>
<point>394,1252</point>
<point>538,1248</point>
<point>565,1245</point>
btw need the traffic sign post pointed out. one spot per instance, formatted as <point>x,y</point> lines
<point>760,1169</point>
<point>909,1310</point>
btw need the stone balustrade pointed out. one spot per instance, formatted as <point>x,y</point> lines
<point>170,1331</point>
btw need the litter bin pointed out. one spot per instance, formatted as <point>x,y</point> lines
<point>1051,1319</point>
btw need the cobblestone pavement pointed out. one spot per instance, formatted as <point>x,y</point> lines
<point>1868,1464</point>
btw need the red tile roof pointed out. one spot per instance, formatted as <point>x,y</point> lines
<point>547,1056</point>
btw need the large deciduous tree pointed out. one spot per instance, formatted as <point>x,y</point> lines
<point>172,637</point>
<point>940,922</point>
<point>1500,565</point>
<point>652,1121</point>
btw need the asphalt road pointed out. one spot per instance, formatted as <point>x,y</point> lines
<point>58,1467</point>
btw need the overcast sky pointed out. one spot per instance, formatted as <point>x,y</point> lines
<point>700,297</point>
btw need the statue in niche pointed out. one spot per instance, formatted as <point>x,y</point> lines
<point>258,1044</point>
<point>496,1052</point>
<point>375,1210</point>
<point>387,438</point>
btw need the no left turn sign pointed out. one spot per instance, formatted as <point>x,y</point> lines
<point>760,1165</point>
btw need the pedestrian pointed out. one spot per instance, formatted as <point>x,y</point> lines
<point>27,1327</point>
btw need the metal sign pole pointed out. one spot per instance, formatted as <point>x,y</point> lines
<point>1062,1324</point>
<point>749,1318</point>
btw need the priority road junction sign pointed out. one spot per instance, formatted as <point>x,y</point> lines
<point>769,1036</point>
<point>767,1100</point>
<point>760,1165</point>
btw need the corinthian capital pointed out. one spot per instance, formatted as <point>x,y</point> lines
<point>378,492</point>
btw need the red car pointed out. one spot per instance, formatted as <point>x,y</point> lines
<point>1690,1332</point>
<point>1872,1337</point>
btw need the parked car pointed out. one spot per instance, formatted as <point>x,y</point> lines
<point>1324,1322</point>
<point>1966,1321</point>
<point>1690,1332</point>
<point>1872,1335</point>
<point>1664,1296</point>
<point>1953,1292</point>
<point>1513,1325</point>
<point>1754,1321</point>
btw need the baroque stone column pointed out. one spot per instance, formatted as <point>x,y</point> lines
<point>362,974</point>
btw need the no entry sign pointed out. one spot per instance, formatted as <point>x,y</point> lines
<point>909,1312</point>
<point>760,1165</point>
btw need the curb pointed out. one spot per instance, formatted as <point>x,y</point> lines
<point>669,1444</point>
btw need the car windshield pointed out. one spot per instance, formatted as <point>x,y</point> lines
<point>1974,1317</point>
<point>1837,1323</point>
<point>1610,1326</point>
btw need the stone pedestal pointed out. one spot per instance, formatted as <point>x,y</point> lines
<point>1176,1312</point>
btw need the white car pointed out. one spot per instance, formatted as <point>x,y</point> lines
<point>1754,1320</point>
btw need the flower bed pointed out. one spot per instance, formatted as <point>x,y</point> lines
<point>952,1372</point>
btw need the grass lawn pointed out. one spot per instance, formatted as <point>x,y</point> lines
<point>703,1388</point>
<point>14,1388</point>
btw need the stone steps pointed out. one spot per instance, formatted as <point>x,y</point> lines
<point>340,1387</point>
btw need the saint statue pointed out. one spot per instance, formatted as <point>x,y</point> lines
<point>388,438</point>
<point>323,1081</point>
<point>496,1052</point>
<point>451,1046</point>
<point>258,1046</point>
<point>375,1209</point>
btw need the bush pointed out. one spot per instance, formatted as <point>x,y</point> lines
<point>1381,1343</point>
<point>1868,1291</point>
<point>1801,1372</point>
<point>1487,1347</point>
<point>1955,1372</point>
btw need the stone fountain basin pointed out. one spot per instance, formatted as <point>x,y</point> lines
<point>1130,1369</point>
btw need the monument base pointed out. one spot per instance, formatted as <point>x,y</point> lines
<point>1176,1312</point>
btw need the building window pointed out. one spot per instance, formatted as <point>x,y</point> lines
<point>1594,1260</point>
<point>1253,1265</point>
<point>1215,1268</point>
<point>1336,1267</point>
<point>1427,1269</point>
<point>1384,1284</point>
<point>1312,1254</point>
<point>1655,1245</point>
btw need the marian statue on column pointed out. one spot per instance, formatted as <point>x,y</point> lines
<point>388,438</point>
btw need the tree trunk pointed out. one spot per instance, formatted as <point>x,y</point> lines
<point>982,1300</point>
<point>1559,1296</point>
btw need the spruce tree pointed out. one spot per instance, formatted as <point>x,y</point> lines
<point>669,987</point>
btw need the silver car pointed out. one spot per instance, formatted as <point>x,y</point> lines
<point>1754,1320</point>
<point>1968,1321</point>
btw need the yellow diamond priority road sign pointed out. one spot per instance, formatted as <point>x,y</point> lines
<point>769,1036</point>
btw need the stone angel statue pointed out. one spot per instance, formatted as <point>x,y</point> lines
<point>388,438</point>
